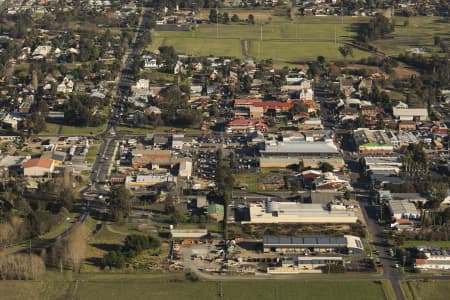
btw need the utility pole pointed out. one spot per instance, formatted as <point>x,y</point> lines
<point>335,33</point>
<point>260,40</point>
<point>217,21</point>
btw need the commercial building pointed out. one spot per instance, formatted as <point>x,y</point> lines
<point>375,164</point>
<point>403,209</point>
<point>148,180</point>
<point>289,244</point>
<point>188,233</point>
<point>185,169</point>
<point>38,167</point>
<point>410,114</point>
<point>293,212</point>
<point>300,149</point>
<point>436,259</point>
<point>245,126</point>
<point>153,159</point>
<point>373,142</point>
<point>296,265</point>
<point>283,154</point>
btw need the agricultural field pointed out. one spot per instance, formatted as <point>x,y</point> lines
<point>154,286</point>
<point>426,290</point>
<point>279,38</point>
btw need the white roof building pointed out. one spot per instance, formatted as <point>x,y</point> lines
<point>43,51</point>
<point>143,84</point>
<point>185,168</point>
<point>148,180</point>
<point>410,114</point>
<point>293,212</point>
<point>403,209</point>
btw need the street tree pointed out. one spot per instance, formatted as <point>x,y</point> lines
<point>120,200</point>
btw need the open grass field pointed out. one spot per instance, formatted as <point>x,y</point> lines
<point>92,152</point>
<point>442,244</point>
<point>72,130</point>
<point>292,52</point>
<point>51,128</point>
<point>279,38</point>
<point>154,286</point>
<point>426,290</point>
<point>419,33</point>
<point>289,42</point>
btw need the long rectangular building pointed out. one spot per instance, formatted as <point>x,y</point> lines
<point>293,212</point>
<point>347,243</point>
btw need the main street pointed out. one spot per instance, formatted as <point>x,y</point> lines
<point>105,157</point>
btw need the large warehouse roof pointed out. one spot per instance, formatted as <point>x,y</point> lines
<point>292,212</point>
<point>353,243</point>
<point>301,148</point>
<point>306,241</point>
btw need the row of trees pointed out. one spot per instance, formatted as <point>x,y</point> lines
<point>376,28</point>
<point>70,251</point>
<point>216,17</point>
<point>133,246</point>
<point>21,266</point>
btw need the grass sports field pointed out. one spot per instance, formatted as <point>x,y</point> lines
<point>291,42</point>
<point>144,286</point>
<point>281,39</point>
<point>419,32</point>
<point>426,290</point>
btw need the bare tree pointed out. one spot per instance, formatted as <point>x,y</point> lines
<point>21,266</point>
<point>7,234</point>
<point>75,246</point>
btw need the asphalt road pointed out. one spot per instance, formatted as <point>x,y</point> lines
<point>380,244</point>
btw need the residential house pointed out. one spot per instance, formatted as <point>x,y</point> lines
<point>11,120</point>
<point>66,86</point>
<point>142,84</point>
<point>346,86</point>
<point>365,84</point>
<point>25,107</point>
<point>41,51</point>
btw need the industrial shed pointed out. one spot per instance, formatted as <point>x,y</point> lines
<point>343,244</point>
